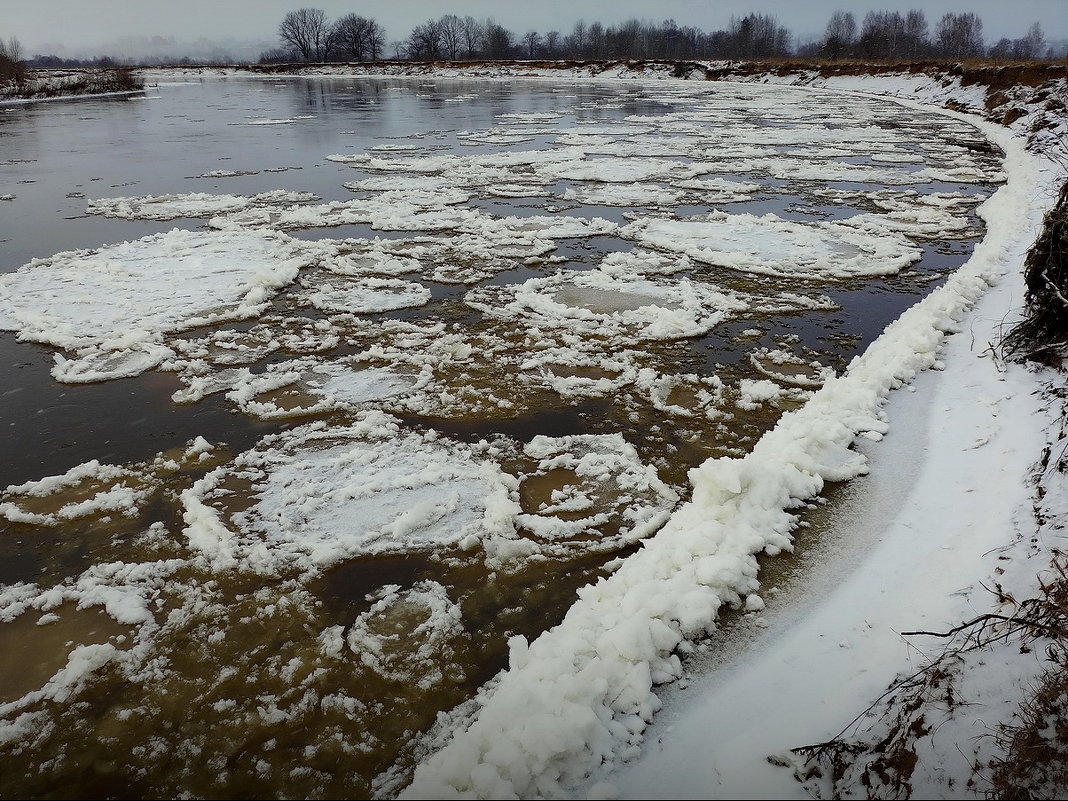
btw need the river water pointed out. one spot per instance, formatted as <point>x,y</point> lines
<point>290,527</point>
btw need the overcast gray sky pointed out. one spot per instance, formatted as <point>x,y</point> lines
<point>70,27</point>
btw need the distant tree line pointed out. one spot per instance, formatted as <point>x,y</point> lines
<point>893,36</point>
<point>307,35</point>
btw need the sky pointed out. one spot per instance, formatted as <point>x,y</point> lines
<point>126,28</point>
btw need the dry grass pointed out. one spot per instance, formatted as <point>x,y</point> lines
<point>1035,760</point>
<point>1043,335</point>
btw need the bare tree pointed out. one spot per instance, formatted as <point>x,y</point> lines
<point>473,34</point>
<point>840,34</point>
<point>376,40</point>
<point>916,42</point>
<point>596,41</point>
<point>349,35</point>
<point>305,30</point>
<point>497,41</point>
<point>756,36</point>
<point>578,40</point>
<point>12,49</point>
<point>960,35</point>
<point>451,31</point>
<point>627,41</point>
<point>531,41</point>
<point>883,35</point>
<point>12,65</point>
<point>1030,46</point>
<point>424,42</point>
<point>552,44</point>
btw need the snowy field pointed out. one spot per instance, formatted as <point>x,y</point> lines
<point>427,356</point>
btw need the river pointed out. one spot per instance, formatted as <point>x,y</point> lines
<point>320,389</point>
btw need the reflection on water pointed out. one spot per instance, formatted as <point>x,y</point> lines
<point>160,672</point>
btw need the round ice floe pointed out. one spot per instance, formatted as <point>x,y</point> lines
<point>373,260</point>
<point>300,387</point>
<point>428,197</point>
<point>573,373</point>
<point>591,487</point>
<point>400,183</point>
<point>684,395</point>
<point>128,297</point>
<point>772,246</point>
<point>407,635</point>
<point>632,309</point>
<point>488,138</point>
<point>718,190</point>
<point>395,148</point>
<point>322,495</point>
<point>753,393</point>
<point>85,490</point>
<point>386,215</point>
<point>366,295</point>
<point>516,190</point>
<point>523,118</point>
<point>642,262</point>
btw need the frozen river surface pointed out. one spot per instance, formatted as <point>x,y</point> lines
<point>317,392</point>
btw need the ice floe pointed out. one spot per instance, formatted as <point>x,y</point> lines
<point>769,245</point>
<point>364,295</point>
<point>630,309</point>
<point>326,494</point>
<point>406,636</point>
<point>113,307</point>
<point>192,204</point>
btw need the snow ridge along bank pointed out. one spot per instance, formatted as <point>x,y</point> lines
<point>581,694</point>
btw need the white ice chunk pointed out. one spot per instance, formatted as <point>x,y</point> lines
<point>770,245</point>
<point>114,305</point>
<point>330,494</point>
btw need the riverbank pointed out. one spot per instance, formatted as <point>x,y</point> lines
<point>69,84</point>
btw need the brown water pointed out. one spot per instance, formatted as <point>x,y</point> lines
<point>234,683</point>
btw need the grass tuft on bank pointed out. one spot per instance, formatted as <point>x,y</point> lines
<point>1043,335</point>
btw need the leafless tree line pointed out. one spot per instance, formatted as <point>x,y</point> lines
<point>891,35</point>
<point>307,35</point>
